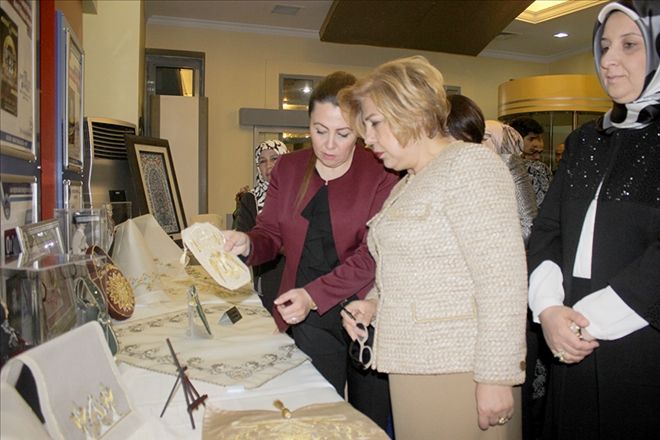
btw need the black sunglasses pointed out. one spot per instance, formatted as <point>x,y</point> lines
<point>359,349</point>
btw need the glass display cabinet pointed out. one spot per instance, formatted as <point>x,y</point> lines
<point>560,103</point>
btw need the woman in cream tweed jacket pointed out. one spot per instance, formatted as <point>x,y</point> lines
<point>449,301</point>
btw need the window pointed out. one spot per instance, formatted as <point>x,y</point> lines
<point>295,91</point>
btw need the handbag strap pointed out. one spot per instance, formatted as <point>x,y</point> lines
<point>100,303</point>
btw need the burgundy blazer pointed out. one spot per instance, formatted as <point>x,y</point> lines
<point>354,198</point>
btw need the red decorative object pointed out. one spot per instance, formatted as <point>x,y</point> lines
<point>112,282</point>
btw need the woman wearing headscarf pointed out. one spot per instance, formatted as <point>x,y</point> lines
<point>594,253</point>
<point>508,143</point>
<point>266,276</point>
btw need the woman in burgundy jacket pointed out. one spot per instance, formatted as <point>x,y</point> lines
<point>319,201</point>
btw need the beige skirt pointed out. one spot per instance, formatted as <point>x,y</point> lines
<point>437,407</point>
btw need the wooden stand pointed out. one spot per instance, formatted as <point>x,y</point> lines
<point>193,399</point>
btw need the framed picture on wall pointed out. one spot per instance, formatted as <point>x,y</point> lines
<point>19,207</point>
<point>73,102</point>
<point>155,184</point>
<point>18,78</point>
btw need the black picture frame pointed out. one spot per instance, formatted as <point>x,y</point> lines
<point>155,184</point>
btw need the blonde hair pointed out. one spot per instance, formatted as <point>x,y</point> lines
<point>408,92</point>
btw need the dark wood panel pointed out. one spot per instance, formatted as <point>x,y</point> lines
<point>453,26</point>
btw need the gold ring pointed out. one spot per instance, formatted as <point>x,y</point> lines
<point>503,420</point>
<point>560,356</point>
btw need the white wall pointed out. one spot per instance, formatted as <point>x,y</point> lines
<point>114,57</point>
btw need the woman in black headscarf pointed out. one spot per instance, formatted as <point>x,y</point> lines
<point>594,253</point>
<point>267,276</point>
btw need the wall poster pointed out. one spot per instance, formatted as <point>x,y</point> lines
<point>18,73</point>
<point>73,102</point>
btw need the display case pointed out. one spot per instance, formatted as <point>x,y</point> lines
<point>557,125</point>
<point>560,103</point>
<point>43,297</point>
<point>82,228</point>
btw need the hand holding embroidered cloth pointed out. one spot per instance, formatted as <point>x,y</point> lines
<point>206,243</point>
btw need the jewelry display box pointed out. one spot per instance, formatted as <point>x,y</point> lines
<point>41,295</point>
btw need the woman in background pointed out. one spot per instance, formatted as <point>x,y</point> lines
<point>594,253</point>
<point>465,121</point>
<point>319,201</point>
<point>507,143</point>
<point>449,301</point>
<point>266,276</point>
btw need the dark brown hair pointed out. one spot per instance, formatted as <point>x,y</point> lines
<point>325,92</point>
<point>465,121</point>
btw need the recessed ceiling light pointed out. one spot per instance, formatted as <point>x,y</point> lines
<point>560,35</point>
<point>542,10</point>
<point>307,89</point>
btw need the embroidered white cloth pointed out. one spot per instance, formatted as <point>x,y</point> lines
<point>77,381</point>
<point>145,254</point>
<point>328,421</point>
<point>18,420</point>
<point>206,243</point>
<point>247,353</point>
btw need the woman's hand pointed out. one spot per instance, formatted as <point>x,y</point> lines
<point>294,305</point>
<point>363,311</point>
<point>237,243</point>
<point>494,404</point>
<point>558,323</point>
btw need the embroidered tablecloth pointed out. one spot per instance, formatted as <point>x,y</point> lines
<point>247,353</point>
<point>329,421</point>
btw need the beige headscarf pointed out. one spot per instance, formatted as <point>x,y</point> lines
<point>502,139</point>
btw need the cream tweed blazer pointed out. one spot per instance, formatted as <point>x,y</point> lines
<point>451,276</point>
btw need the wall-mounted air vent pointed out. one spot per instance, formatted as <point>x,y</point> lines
<point>105,160</point>
<point>108,137</point>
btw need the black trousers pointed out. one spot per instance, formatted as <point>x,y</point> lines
<point>537,376</point>
<point>324,340</point>
<point>612,394</point>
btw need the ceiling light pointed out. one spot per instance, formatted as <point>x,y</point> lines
<point>307,89</point>
<point>560,35</point>
<point>542,10</point>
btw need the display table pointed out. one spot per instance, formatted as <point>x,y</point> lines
<point>245,366</point>
<point>148,390</point>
